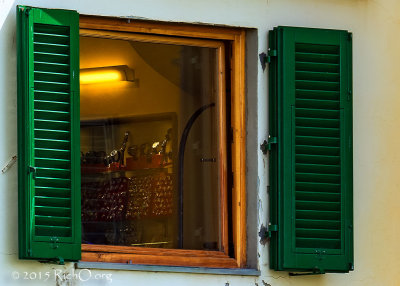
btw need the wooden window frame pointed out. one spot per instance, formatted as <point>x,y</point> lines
<point>202,36</point>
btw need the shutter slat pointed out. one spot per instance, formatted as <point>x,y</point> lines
<point>45,77</point>
<point>319,178</point>
<point>53,220</point>
<point>317,159</point>
<point>50,130</point>
<point>316,66</point>
<point>316,57</point>
<point>317,75</point>
<point>317,85</point>
<point>52,102</point>
<point>53,172</point>
<point>52,191</point>
<point>52,159</point>
<point>52,201</point>
<point>317,113</point>
<point>316,94</point>
<point>313,214</point>
<point>52,92</point>
<point>50,54</point>
<point>323,242</point>
<point>52,144</point>
<point>317,131</point>
<point>53,211</point>
<point>318,196</point>
<point>317,233</point>
<point>318,223</point>
<point>320,187</point>
<point>317,122</point>
<point>50,82</point>
<point>46,230</point>
<point>53,58</point>
<point>50,44</point>
<point>318,150</point>
<point>51,105</point>
<point>317,141</point>
<point>314,103</point>
<point>317,205</point>
<point>317,168</point>
<point>54,163</point>
<point>49,63</point>
<point>52,35</point>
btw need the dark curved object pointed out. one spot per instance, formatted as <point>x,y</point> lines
<point>181,157</point>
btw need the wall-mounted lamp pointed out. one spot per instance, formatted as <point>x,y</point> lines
<point>107,74</point>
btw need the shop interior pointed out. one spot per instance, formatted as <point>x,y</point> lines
<point>137,106</point>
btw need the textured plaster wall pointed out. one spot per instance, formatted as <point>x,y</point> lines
<point>375,25</point>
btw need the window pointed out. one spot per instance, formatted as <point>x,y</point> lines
<point>127,162</point>
<point>311,157</point>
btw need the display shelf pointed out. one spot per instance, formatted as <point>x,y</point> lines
<point>94,169</point>
<point>101,169</point>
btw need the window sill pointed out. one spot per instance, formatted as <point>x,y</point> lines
<point>175,269</point>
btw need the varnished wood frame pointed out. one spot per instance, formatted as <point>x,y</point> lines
<point>198,35</point>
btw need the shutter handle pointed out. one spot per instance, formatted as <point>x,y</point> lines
<point>33,171</point>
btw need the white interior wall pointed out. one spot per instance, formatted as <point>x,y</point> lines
<point>376,76</point>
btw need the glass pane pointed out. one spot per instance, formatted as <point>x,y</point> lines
<point>141,103</point>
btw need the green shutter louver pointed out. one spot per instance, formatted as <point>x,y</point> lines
<point>311,195</point>
<point>48,134</point>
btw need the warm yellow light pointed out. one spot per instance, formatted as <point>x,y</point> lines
<point>106,74</point>
<point>101,76</point>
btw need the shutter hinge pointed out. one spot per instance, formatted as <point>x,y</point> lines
<point>266,58</point>
<point>266,233</point>
<point>267,146</point>
<point>271,54</point>
<point>33,171</point>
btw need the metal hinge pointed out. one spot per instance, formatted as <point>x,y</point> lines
<point>267,146</point>
<point>266,233</point>
<point>271,54</point>
<point>266,58</point>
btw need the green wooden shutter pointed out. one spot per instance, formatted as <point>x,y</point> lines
<point>48,134</point>
<point>311,195</point>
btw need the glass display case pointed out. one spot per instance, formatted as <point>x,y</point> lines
<point>128,180</point>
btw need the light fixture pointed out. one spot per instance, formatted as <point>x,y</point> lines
<point>107,74</point>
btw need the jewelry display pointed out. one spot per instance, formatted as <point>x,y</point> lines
<point>124,192</point>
